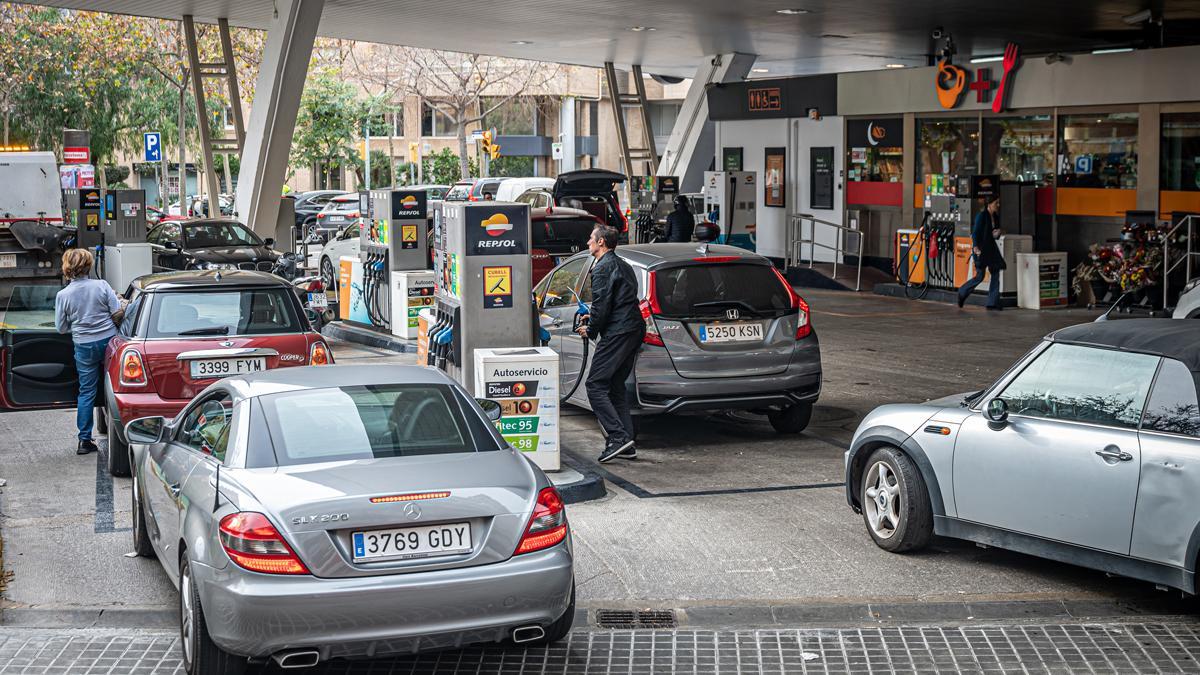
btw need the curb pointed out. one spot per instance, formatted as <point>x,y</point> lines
<point>942,295</point>
<point>94,617</point>
<point>340,330</point>
<point>587,488</point>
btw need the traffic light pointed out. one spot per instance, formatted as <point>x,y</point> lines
<point>489,145</point>
<point>412,153</point>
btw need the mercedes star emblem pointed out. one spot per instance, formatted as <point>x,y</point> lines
<point>412,511</point>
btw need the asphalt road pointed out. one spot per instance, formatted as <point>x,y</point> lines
<point>718,511</point>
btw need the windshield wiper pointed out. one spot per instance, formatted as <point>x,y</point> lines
<point>211,330</point>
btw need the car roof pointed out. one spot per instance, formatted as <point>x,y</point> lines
<point>652,255</point>
<point>348,197</point>
<point>322,377</point>
<point>191,279</point>
<point>1177,339</point>
<point>204,220</point>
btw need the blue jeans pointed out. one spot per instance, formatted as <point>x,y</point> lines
<point>89,362</point>
<point>993,298</point>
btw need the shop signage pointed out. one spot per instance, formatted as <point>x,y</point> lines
<point>732,159</point>
<point>821,177</point>
<point>950,81</point>
<point>765,99</point>
<point>76,155</point>
<point>775,178</point>
<point>887,132</point>
<point>524,381</point>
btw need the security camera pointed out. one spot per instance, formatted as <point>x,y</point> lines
<point>937,33</point>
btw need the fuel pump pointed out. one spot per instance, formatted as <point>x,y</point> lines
<point>651,198</point>
<point>731,203</point>
<point>394,237</point>
<point>123,254</point>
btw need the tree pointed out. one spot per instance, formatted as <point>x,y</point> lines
<point>468,87</point>
<point>329,121</point>
<point>381,70</point>
<point>444,168</point>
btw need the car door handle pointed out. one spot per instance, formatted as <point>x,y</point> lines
<point>1113,452</point>
<point>175,489</point>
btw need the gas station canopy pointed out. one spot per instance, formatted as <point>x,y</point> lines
<point>672,37</point>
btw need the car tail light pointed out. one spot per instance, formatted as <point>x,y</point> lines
<point>133,371</point>
<point>253,543</point>
<point>803,326</point>
<point>320,216</point>
<point>318,354</point>
<point>548,524</point>
<point>354,214</point>
<point>649,308</point>
<point>624,219</point>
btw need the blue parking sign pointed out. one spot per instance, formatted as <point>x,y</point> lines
<point>152,142</point>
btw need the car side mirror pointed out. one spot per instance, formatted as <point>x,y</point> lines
<point>490,408</point>
<point>269,242</point>
<point>997,413</point>
<point>171,245</point>
<point>146,430</point>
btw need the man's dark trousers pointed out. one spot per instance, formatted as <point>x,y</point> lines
<point>611,365</point>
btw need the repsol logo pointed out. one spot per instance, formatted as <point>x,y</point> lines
<point>497,243</point>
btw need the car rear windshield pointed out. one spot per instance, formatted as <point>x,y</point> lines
<point>372,422</point>
<point>562,235</point>
<point>703,290</point>
<point>347,206</point>
<point>458,193</point>
<point>260,311</point>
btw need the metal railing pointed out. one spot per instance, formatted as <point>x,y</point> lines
<point>1186,260</point>
<point>797,239</point>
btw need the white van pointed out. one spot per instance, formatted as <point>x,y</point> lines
<point>511,188</point>
<point>29,187</point>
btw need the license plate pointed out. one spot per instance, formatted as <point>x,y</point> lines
<point>318,300</point>
<point>406,543</point>
<point>205,368</point>
<point>8,260</point>
<point>336,219</point>
<point>731,332</point>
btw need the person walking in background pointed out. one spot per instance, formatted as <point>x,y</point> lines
<point>984,233</point>
<point>89,310</point>
<point>616,320</point>
<point>680,222</point>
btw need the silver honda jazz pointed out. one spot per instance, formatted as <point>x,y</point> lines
<point>313,513</point>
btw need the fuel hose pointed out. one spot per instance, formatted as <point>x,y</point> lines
<point>579,319</point>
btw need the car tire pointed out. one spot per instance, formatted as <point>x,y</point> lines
<point>141,536</point>
<point>792,419</point>
<point>118,449</point>
<point>328,275</point>
<point>201,656</point>
<point>899,516</point>
<point>101,417</point>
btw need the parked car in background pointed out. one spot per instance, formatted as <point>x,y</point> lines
<point>476,190</point>
<point>309,204</point>
<point>184,330</point>
<point>432,192</point>
<point>592,190</point>
<point>346,243</point>
<point>323,474</point>
<point>1079,453</point>
<point>724,331</point>
<point>209,244</point>
<point>509,190</point>
<point>556,234</point>
<point>339,212</point>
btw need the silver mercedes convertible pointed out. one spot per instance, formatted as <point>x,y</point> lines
<point>1086,451</point>
<point>349,511</point>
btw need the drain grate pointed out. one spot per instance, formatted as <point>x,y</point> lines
<point>630,619</point>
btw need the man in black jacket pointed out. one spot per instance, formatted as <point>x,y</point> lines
<point>616,320</point>
<point>680,222</point>
<point>984,233</point>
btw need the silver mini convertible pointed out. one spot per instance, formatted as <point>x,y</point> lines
<point>347,511</point>
<point>1086,451</point>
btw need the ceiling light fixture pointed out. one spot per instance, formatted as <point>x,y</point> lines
<point>639,29</point>
<point>759,70</point>
<point>987,59</point>
<point>521,42</point>
<point>791,12</point>
<point>893,65</point>
<point>1117,50</point>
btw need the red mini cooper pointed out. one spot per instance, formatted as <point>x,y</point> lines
<point>183,330</point>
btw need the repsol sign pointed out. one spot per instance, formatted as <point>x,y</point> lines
<point>497,229</point>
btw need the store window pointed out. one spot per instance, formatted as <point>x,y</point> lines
<point>388,123</point>
<point>514,117</point>
<point>947,145</point>
<point>1020,149</point>
<point>434,122</point>
<point>1180,152</point>
<point>876,150</point>
<point>1098,150</point>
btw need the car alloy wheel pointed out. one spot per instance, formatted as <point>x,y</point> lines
<point>327,276</point>
<point>187,616</point>
<point>882,500</point>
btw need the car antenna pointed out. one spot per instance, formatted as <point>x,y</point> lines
<point>217,490</point>
<point>1104,316</point>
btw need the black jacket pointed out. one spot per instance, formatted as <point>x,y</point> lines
<point>981,238</point>
<point>614,308</point>
<point>680,225</point>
